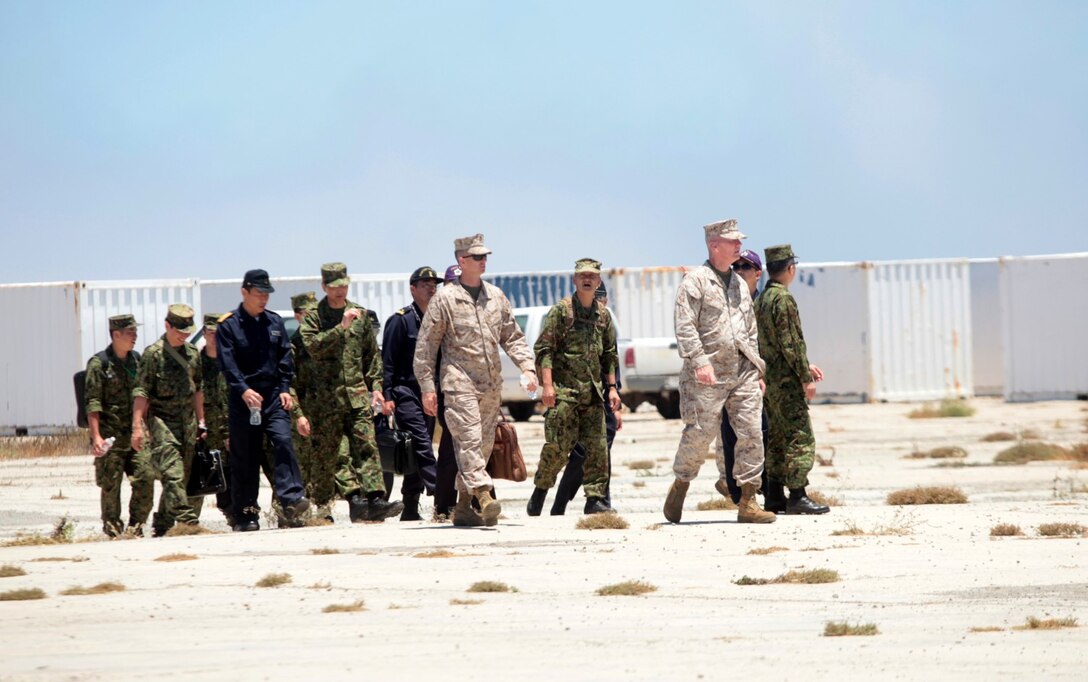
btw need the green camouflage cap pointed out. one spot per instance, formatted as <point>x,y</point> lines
<point>211,320</point>
<point>587,265</point>
<point>180,317</point>
<point>335,275</point>
<point>474,245</point>
<point>773,254</point>
<point>725,229</point>
<point>304,301</point>
<point>119,322</point>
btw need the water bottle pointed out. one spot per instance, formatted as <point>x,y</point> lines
<point>254,416</point>
<point>525,385</point>
<point>107,444</point>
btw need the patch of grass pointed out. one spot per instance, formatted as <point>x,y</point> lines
<point>947,452</point>
<point>1022,453</point>
<point>762,551</point>
<point>745,580</point>
<point>68,442</point>
<point>100,588</point>
<point>827,461</point>
<point>274,580</point>
<point>899,526</point>
<point>1079,452</point>
<point>9,571</point>
<point>638,484</point>
<point>322,585</point>
<point>177,556</point>
<point>22,595</point>
<point>823,498</point>
<point>435,554</point>
<point>320,551</point>
<point>64,530</point>
<point>353,607</point>
<point>490,586</point>
<point>183,529</point>
<point>34,539</point>
<point>1062,530</point>
<point>927,495</point>
<point>813,576</point>
<point>832,474</point>
<point>716,504</point>
<point>466,602</point>
<point>59,496</point>
<point>843,629</point>
<point>946,408</point>
<point>998,437</point>
<point>610,521</point>
<point>75,559</point>
<point>989,628</point>
<point>316,521</point>
<point>1005,530</point>
<point>641,464</point>
<point>1033,623</point>
<point>628,588</point>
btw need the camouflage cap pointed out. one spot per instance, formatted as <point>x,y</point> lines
<point>587,265</point>
<point>773,254</point>
<point>304,301</point>
<point>335,275</point>
<point>211,321</point>
<point>119,322</point>
<point>474,245</point>
<point>725,229</point>
<point>180,317</point>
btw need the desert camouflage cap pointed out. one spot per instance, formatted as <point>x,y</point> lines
<point>773,254</point>
<point>304,301</point>
<point>180,317</point>
<point>587,265</point>
<point>726,229</point>
<point>335,275</point>
<point>474,245</point>
<point>119,322</point>
<point>211,321</point>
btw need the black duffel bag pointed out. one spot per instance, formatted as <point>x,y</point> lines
<point>206,476</point>
<point>398,456</point>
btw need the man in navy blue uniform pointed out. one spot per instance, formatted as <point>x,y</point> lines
<point>255,356</point>
<point>402,389</point>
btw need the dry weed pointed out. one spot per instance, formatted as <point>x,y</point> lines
<point>466,602</point>
<point>628,588</point>
<point>177,556</point>
<point>947,452</point>
<point>59,496</point>
<point>638,484</point>
<point>826,461</point>
<point>100,588</point>
<point>9,571</point>
<point>927,495</point>
<point>989,628</point>
<point>825,499</point>
<point>946,408</point>
<point>1033,623</point>
<point>762,551</point>
<point>998,437</point>
<point>435,554</point>
<point>609,521</point>
<point>1005,530</point>
<point>183,529</point>
<point>641,465</point>
<point>900,525</point>
<point>716,504</point>
<point>274,580</point>
<point>321,551</point>
<point>22,595</point>
<point>69,442</point>
<point>321,585</point>
<point>832,474</point>
<point>490,586</point>
<point>1062,530</point>
<point>74,559</point>
<point>353,607</point>
<point>844,629</point>
<point>1022,453</point>
<point>813,576</point>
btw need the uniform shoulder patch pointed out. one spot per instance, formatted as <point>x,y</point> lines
<point>402,311</point>
<point>224,317</point>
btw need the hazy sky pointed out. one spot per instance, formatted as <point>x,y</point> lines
<point>199,139</point>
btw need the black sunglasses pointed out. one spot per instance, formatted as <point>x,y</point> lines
<point>744,266</point>
<point>478,256</point>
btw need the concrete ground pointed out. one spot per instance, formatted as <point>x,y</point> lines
<point>925,587</point>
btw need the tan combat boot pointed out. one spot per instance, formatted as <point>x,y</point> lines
<point>463,513</point>
<point>489,506</point>
<point>674,501</point>
<point>748,511</point>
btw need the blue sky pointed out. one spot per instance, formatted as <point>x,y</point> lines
<point>199,139</point>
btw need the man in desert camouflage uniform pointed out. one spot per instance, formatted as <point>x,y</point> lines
<point>110,378</point>
<point>791,382</point>
<point>169,396</point>
<point>716,338</point>
<point>576,346</point>
<point>468,322</point>
<point>346,371</point>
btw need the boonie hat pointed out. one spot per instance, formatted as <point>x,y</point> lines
<point>453,272</point>
<point>425,273</point>
<point>773,254</point>
<point>211,321</point>
<point>752,257</point>
<point>304,301</point>
<point>180,317</point>
<point>726,229</point>
<point>335,275</point>
<point>474,245</point>
<point>587,265</point>
<point>119,322</point>
<point>257,279</point>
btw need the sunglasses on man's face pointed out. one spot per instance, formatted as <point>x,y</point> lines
<point>744,266</point>
<point>478,257</point>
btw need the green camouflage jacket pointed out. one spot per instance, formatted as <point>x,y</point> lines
<point>578,344</point>
<point>781,342</point>
<point>169,387</point>
<point>343,363</point>
<point>216,392</point>
<point>108,391</point>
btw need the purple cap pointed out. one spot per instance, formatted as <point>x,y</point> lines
<point>752,257</point>
<point>453,272</point>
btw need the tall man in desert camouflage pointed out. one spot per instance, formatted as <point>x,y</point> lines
<point>468,322</point>
<point>716,338</point>
<point>111,376</point>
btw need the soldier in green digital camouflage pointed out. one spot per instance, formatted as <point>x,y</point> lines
<point>110,378</point>
<point>576,346</point>
<point>216,393</point>
<point>169,397</point>
<point>345,385</point>
<point>791,382</point>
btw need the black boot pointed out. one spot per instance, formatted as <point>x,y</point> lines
<point>411,508</point>
<point>380,509</point>
<point>536,501</point>
<point>800,504</point>
<point>596,505</point>
<point>774,497</point>
<point>247,526</point>
<point>357,508</point>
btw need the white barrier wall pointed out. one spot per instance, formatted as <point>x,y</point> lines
<point>1045,326</point>
<point>146,300</point>
<point>987,339</point>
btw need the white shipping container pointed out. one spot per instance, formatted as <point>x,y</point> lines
<point>987,340</point>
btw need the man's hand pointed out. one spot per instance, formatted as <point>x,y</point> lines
<point>378,402</point>
<point>817,373</point>
<point>530,378</point>
<point>614,399</point>
<point>137,437</point>
<point>547,395</point>
<point>430,403</point>
<point>201,431</point>
<point>350,315</point>
<point>810,390</point>
<point>389,407</point>
<point>619,417</point>
<point>98,444</point>
<point>705,375</point>
<point>252,398</point>
<point>762,386</point>
<point>286,401</point>
<point>303,426</point>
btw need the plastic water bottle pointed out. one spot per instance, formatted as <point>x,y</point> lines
<point>525,385</point>
<point>254,416</point>
<point>107,444</point>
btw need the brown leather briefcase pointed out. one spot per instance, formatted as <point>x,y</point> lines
<point>506,461</point>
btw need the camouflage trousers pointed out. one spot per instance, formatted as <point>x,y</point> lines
<point>565,425</point>
<point>109,472</point>
<point>701,411</point>
<point>343,458</point>
<point>791,446</point>
<point>172,448</point>
<point>471,418</point>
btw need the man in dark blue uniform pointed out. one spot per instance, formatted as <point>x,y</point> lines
<point>255,356</point>
<point>402,389</point>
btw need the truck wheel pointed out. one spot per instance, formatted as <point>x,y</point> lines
<point>669,406</point>
<point>520,412</point>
